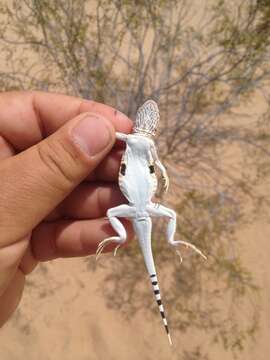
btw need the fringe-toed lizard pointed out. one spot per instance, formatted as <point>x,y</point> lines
<point>138,183</point>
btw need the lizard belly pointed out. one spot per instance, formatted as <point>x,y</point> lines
<point>138,185</point>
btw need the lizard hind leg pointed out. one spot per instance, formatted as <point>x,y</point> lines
<point>121,237</point>
<point>159,211</point>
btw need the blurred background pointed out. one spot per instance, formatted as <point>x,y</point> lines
<point>206,63</point>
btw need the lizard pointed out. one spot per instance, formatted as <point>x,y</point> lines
<point>138,183</point>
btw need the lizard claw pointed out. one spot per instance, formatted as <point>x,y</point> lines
<point>115,250</point>
<point>180,256</point>
<point>104,243</point>
<point>187,244</point>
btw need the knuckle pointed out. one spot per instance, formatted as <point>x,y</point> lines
<point>56,160</point>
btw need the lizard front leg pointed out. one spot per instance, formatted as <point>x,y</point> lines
<point>160,210</point>
<point>165,178</point>
<point>112,214</point>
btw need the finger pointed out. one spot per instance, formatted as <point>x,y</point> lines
<point>28,262</point>
<point>72,238</point>
<point>11,297</point>
<point>108,169</point>
<point>6,150</point>
<point>35,181</point>
<point>27,117</point>
<point>10,257</point>
<point>88,201</point>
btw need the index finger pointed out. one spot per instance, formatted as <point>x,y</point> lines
<point>28,117</point>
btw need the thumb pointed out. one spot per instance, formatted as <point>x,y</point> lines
<point>36,180</point>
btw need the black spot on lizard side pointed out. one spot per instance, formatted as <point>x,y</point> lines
<point>152,169</point>
<point>123,169</point>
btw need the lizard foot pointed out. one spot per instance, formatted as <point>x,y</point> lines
<point>187,244</point>
<point>104,243</point>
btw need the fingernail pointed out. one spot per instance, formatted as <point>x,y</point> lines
<point>92,134</point>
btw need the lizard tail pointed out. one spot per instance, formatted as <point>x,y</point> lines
<point>154,281</point>
<point>143,228</point>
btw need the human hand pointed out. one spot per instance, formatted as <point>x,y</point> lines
<point>57,179</point>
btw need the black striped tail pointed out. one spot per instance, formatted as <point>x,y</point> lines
<point>154,281</point>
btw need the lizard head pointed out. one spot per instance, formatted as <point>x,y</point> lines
<point>147,119</point>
